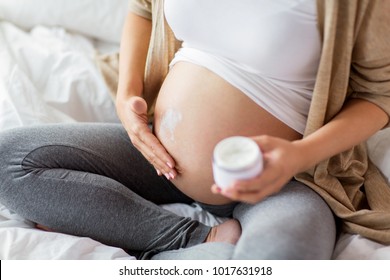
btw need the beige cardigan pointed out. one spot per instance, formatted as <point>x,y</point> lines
<point>355,63</point>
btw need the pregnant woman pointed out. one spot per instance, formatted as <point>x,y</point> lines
<point>297,76</point>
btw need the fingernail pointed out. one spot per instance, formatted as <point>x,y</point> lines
<point>167,176</point>
<point>158,172</point>
<point>226,192</point>
<point>169,164</point>
<point>172,175</point>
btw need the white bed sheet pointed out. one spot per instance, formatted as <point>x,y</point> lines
<point>48,75</point>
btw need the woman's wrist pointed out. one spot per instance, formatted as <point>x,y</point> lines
<point>122,101</point>
<point>307,153</point>
<point>125,93</point>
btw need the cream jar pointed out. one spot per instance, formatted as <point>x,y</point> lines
<point>236,158</point>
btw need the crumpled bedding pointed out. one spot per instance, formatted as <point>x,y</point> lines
<point>48,74</point>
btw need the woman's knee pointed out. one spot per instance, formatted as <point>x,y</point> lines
<point>293,224</point>
<point>16,142</point>
<point>10,142</point>
<point>10,164</point>
<point>15,146</point>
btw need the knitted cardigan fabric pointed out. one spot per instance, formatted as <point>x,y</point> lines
<point>354,63</point>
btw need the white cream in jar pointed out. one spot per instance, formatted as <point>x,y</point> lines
<point>236,158</point>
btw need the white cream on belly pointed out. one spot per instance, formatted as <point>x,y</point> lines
<point>169,121</point>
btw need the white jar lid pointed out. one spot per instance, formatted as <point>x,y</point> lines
<point>236,158</point>
<point>236,153</point>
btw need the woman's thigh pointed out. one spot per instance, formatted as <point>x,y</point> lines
<point>89,180</point>
<point>93,149</point>
<point>296,223</point>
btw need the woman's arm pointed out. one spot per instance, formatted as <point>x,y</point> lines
<point>133,51</point>
<point>131,107</point>
<point>355,123</point>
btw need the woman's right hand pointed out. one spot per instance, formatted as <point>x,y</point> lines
<point>131,108</point>
<point>133,114</point>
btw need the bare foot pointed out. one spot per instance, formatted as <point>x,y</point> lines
<point>229,232</point>
<point>41,227</point>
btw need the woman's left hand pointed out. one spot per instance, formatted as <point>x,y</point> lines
<point>282,160</point>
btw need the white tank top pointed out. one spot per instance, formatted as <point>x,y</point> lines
<point>268,49</point>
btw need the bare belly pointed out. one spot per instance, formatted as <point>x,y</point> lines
<point>196,109</point>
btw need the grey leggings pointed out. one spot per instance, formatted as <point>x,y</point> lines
<point>89,180</point>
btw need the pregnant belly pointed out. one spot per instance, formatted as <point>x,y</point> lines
<point>196,109</point>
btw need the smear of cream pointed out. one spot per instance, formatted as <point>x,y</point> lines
<point>170,120</point>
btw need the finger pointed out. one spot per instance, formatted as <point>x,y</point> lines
<point>152,149</point>
<point>265,142</point>
<point>158,172</point>
<point>139,105</point>
<point>256,183</point>
<point>215,189</point>
<point>253,196</point>
<point>147,143</point>
<point>249,197</point>
<point>235,195</point>
<point>158,165</point>
<point>149,152</point>
<point>159,150</point>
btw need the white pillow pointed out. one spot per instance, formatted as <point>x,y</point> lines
<point>101,19</point>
